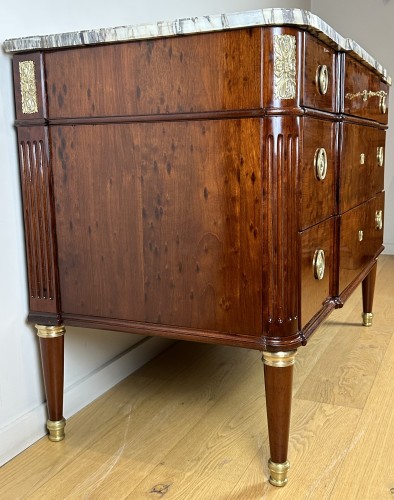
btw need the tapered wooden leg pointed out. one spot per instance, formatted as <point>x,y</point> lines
<point>278,377</point>
<point>368,287</point>
<point>52,359</point>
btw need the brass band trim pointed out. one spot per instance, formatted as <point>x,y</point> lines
<point>278,472</point>
<point>279,359</point>
<point>50,332</point>
<point>367,319</point>
<point>56,429</point>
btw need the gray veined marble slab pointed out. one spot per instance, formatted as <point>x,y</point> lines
<point>203,24</point>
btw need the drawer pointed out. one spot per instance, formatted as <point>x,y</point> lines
<point>316,246</point>
<point>320,75</point>
<point>361,238</point>
<point>365,93</point>
<point>361,164</point>
<point>207,72</point>
<point>317,172</point>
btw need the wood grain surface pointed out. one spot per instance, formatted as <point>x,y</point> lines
<point>191,423</point>
<point>171,231</point>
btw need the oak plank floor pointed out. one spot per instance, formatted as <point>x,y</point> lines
<point>191,423</point>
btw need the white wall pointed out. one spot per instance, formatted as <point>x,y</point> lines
<point>94,360</point>
<point>371,25</point>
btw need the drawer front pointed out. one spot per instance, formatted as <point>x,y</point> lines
<point>317,172</point>
<point>361,164</point>
<point>208,72</point>
<point>316,247</point>
<point>361,237</point>
<point>320,75</point>
<point>365,94</point>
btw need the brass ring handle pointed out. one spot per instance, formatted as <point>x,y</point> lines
<point>319,264</point>
<point>379,219</point>
<point>380,155</point>
<point>322,79</point>
<point>320,164</point>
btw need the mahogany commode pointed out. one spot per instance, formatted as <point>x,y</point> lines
<point>225,186</point>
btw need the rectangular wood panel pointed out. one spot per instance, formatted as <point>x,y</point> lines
<point>317,194</point>
<point>161,223</point>
<point>361,172</point>
<point>365,93</point>
<point>209,72</point>
<point>358,249</point>
<point>314,291</point>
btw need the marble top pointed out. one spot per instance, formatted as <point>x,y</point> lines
<point>203,24</point>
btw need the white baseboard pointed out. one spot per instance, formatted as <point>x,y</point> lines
<point>388,249</point>
<point>30,427</point>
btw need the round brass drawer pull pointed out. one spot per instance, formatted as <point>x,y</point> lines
<point>319,264</point>
<point>360,235</point>
<point>379,219</point>
<point>380,155</point>
<point>320,163</point>
<point>322,79</point>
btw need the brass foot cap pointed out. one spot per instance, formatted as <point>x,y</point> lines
<point>278,472</point>
<point>367,319</point>
<point>56,429</point>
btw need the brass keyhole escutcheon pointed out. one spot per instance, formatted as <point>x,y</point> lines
<point>319,264</point>
<point>322,79</point>
<point>360,235</point>
<point>362,158</point>
<point>380,155</point>
<point>320,163</point>
<point>379,219</point>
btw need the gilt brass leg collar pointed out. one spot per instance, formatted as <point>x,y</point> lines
<point>278,473</point>
<point>279,359</point>
<point>367,319</point>
<point>56,429</point>
<point>50,332</point>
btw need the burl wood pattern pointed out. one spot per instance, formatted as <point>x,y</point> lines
<point>38,210</point>
<point>171,232</point>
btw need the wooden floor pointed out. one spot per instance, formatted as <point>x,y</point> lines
<point>191,424</point>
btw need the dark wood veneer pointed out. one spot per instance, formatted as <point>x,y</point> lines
<point>168,190</point>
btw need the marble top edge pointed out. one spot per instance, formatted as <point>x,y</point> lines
<point>202,24</point>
